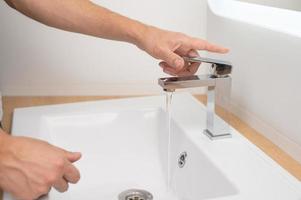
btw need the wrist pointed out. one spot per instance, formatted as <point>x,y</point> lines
<point>136,34</point>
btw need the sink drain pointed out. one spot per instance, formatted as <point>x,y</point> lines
<point>135,194</point>
<point>182,159</point>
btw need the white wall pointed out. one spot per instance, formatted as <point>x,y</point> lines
<point>38,60</point>
<point>287,4</point>
<point>266,76</point>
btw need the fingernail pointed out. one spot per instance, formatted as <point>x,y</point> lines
<point>179,63</point>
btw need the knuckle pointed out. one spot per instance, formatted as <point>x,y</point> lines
<point>184,39</point>
<point>59,164</point>
<point>199,42</point>
<point>178,70</point>
<point>158,50</point>
<point>50,179</point>
<point>180,35</point>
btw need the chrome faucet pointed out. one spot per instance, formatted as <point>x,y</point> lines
<point>218,82</point>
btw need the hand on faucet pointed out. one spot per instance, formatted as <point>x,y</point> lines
<point>170,47</point>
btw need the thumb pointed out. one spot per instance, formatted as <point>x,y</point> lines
<point>73,156</point>
<point>172,59</point>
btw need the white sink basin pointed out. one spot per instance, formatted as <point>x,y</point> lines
<point>124,146</point>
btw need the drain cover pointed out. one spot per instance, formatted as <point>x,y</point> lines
<point>135,194</point>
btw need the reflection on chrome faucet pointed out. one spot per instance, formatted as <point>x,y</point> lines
<point>218,83</point>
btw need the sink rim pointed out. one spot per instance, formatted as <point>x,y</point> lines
<point>144,102</point>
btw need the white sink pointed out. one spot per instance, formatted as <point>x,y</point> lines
<point>124,146</point>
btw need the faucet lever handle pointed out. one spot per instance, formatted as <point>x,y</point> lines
<point>220,68</point>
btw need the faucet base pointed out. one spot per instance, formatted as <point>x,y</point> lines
<point>216,137</point>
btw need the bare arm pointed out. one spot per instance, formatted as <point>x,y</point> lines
<point>29,167</point>
<point>10,3</point>
<point>83,16</point>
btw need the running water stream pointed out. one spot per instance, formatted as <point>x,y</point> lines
<point>168,111</point>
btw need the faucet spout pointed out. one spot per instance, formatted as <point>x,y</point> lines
<point>172,83</point>
<point>218,81</point>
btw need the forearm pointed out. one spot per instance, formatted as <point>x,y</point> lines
<point>3,137</point>
<point>82,16</point>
